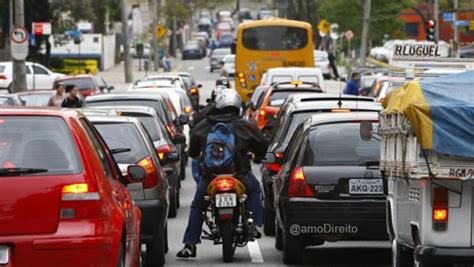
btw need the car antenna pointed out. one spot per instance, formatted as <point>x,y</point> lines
<point>339,103</point>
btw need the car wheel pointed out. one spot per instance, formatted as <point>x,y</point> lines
<point>293,247</point>
<point>167,248</point>
<point>401,256</point>
<point>278,236</point>
<point>268,221</point>
<point>121,256</point>
<point>173,209</point>
<point>178,202</point>
<point>212,70</point>
<point>183,168</point>
<point>327,76</point>
<point>155,249</point>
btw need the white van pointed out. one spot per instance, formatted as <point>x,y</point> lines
<point>278,75</point>
<point>43,78</point>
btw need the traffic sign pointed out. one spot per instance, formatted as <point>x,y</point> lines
<point>471,25</point>
<point>19,43</point>
<point>461,23</point>
<point>161,31</point>
<point>349,35</point>
<point>41,28</point>
<point>448,16</point>
<point>324,26</point>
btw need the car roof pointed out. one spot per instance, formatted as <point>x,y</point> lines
<point>318,119</point>
<point>65,113</point>
<point>333,104</point>
<point>36,92</point>
<point>126,95</point>
<point>73,77</point>
<point>325,97</point>
<point>292,70</point>
<point>113,119</point>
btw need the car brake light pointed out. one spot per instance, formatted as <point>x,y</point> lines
<point>3,77</point>
<point>262,112</point>
<point>194,91</point>
<point>440,208</point>
<point>279,155</point>
<point>342,110</point>
<point>274,167</point>
<point>151,179</point>
<point>224,184</point>
<point>163,150</point>
<point>187,110</point>
<point>297,185</point>
<point>80,201</point>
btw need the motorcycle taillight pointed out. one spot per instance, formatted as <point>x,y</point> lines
<point>224,183</point>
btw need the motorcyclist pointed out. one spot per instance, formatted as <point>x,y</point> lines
<point>223,81</point>
<point>248,139</point>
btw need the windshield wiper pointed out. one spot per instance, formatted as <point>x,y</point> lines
<point>19,171</point>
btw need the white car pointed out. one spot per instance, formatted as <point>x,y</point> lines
<point>321,60</point>
<point>43,78</point>
<point>229,65</point>
<point>278,75</point>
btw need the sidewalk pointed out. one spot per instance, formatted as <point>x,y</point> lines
<point>116,76</point>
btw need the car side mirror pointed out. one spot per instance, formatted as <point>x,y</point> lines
<point>208,101</point>
<point>136,173</point>
<point>365,130</point>
<point>171,157</point>
<point>111,88</point>
<point>199,86</point>
<point>179,139</point>
<point>182,120</point>
<point>269,158</point>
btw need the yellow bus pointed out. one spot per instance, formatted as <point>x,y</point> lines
<point>270,43</point>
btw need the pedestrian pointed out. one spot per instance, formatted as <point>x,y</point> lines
<point>332,63</point>
<point>224,72</point>
<point>73,100</point>
<point>166,62</point>
<point>57,99</point>
<point>352,87</point>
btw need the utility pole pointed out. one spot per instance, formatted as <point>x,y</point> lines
<point>365,32</point>
<point>126,43</point>
<point>436,19</point>
<point>156,54</point>
<point>456,30</point>
<point>19,68</point>
<point>174,38</point>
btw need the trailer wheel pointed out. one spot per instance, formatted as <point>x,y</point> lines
<point>401,255</point>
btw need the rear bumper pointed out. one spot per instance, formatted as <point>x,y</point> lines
<point>61,251</point>
<point>337,219</point>
<point>428,254</point>
<point>154,214</point>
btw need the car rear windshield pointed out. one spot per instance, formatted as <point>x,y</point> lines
<point>275,38</point>
<point>6,101</point>
<point>340,144</point>
<point>82,84</point>
<point>36,100</point>
<point>149,122</point>
<point>123,135</point>
<point>38,142</point>
<point>278,98</point>
<point>221,52</point>
<point>132,102</point>
<point>2,69</point>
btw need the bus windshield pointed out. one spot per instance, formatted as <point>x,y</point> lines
<point>275,38</point>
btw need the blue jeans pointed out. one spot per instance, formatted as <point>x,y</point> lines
<point>192,235</point>
<point>195,170</point>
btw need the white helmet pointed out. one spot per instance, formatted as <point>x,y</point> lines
<point>228,98</point>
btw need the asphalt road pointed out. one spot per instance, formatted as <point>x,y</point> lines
<point>261,252</point>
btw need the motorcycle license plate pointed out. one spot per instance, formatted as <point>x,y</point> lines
<point>226,200</point>
<point>4,254</point>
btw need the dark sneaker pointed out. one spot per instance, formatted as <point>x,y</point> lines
<point>189,251</point>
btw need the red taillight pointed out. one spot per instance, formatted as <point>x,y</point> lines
<point>188,110</point>
<point>224,184</point>
<point>194,91</point>
<point>279,155</point>
<point>163,150</point>
<point>440,210</point>
<point>274,167</point>
<point>3,77</point>
<point>297,185</point>
<point>151,179</point>
<point>80,201</point>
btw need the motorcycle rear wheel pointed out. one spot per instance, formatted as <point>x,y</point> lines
<point>228,246</point>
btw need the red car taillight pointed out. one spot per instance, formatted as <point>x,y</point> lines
<point>151,179</point>
<point>274,167</point>
<point>297,184</point>
<point>80,201</point>
<point>163,150</point>
<point>194,91</point>
<point>224,184</point>
<point>3,77</point>
<point>266,114</point>
<point>440,208</point>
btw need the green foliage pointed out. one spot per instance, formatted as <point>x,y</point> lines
<point>349,15</point>
<point>174,9</point>
<point>212,3</point>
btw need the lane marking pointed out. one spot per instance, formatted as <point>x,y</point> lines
<point>254,251</point>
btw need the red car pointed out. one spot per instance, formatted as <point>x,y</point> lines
<point>62,200</point>
<point>86,84</point>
